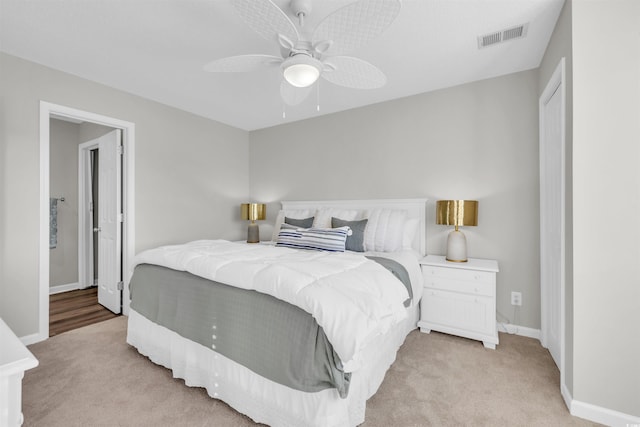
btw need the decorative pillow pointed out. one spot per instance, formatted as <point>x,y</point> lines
<point>302,223</point>
<point>290,213</point>
<point>320,239</point>
<point>355,242</point>
<point>324,215</point>
<point>385,230</point>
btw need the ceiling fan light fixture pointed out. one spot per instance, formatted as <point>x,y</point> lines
<point>301,70</point>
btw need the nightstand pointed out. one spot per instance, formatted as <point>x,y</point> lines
<point>459,298</point>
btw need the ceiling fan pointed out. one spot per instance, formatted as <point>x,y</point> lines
<point>304,57</point>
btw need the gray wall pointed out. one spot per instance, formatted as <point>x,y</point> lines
<point>191,174</point>
<point>560,47</point>
<point>88,131</point>
<point>476,141</point>
<point>63,173</point>
<point>3,179</point>
<point>606,199</point>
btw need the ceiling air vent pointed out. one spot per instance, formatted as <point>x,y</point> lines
<point>502,36</point>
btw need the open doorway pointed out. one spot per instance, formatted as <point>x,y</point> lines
<point>74,179</point>
<point>117,150</point>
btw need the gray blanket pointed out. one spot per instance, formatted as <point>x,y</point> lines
<point>397,270</point>
<point>273,338</point>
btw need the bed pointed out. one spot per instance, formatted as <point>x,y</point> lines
<point>287,335</point>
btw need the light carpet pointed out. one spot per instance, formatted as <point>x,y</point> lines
<point>92,377</point>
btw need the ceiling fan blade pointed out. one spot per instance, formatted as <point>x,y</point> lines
<point>266,19</point>
<point>352,72</point>
<point>292,95</point>
<point>355,25</point>
<point>241,63</point>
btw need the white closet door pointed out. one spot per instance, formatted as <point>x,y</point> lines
<point>110,221</point>
<point>551,220</point>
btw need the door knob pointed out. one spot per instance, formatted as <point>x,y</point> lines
<point>97,230</point>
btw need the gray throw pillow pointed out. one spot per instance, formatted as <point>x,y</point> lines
<point>355,242</point>
<point>302,223</point>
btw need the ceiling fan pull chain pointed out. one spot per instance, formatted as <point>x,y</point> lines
<point>284,114</point>
<point>318,96</point>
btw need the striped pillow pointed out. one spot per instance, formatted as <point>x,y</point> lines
<point>319,239</point>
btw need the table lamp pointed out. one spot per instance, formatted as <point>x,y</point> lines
<point>253,212</point>
<point>457,213</point>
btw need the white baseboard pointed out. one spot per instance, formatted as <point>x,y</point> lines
<point>597,414</point>
<point>601,415</point>
<point>32,339</point>
<point>64,288</point>
<point>566,396</point>
<point>519,330</point>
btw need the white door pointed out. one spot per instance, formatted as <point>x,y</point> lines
<point>85,215</point>
<point>110,221</point>
<point>552,218</point>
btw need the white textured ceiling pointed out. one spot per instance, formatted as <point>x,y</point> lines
<point>156,49</point>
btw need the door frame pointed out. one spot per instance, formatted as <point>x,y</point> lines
<point>557,82</point>
<point>47,111</point>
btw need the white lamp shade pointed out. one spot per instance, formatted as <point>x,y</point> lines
<point>301,70</point>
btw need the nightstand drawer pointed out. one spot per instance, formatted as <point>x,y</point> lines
<point>457,274</point>
<point>472,288</point>
<point>457,311</point>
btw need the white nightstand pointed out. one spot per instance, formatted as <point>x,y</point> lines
<point>459,298</point>
<point>15,358</point>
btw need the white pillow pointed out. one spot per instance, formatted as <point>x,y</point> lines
<point>323,216</point>
<point>385,230</point>
<point>410,231</point>
<point>290,213</point>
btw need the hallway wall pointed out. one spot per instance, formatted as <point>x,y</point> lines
<point>63,161</point>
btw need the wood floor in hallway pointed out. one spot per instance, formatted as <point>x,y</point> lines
<point>74,309</point>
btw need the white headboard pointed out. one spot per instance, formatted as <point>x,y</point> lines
<point>416,208</point>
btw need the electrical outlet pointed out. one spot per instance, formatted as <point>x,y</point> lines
<point>516,298</point>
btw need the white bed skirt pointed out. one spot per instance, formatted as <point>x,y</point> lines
<point>261,399</point>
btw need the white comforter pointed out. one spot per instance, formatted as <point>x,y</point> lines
<point>353,298</point>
